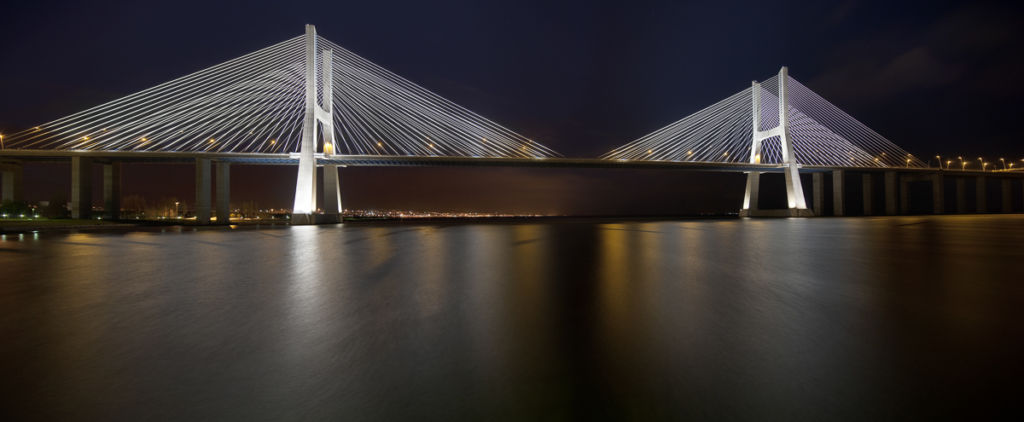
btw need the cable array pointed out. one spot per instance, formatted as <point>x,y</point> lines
<point>821,133</point>
<point>255,104</point>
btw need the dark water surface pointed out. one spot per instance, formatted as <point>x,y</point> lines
<point>758,319</point>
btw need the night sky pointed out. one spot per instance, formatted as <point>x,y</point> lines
<point>579,77</point>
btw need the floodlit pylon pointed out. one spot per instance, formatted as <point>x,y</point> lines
<point>304,209</point>
<point>794,189</point>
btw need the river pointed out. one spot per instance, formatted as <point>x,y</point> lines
<point>829,318</point>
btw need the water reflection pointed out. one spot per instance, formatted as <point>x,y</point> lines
<point>809,318</point>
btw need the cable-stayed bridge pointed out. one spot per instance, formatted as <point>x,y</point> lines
<point>310,102</point>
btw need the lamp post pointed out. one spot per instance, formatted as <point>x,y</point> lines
<point>1004,163</point>
<point>938,160</point>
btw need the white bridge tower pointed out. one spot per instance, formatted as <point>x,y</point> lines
<point>794,190</point>
<point>305,209</point>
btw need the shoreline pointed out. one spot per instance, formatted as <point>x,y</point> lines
<point>74,226</point>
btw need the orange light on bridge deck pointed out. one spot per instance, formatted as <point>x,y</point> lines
<point>649,152</point>
<point>380,145</point>
<point>143,139</point>
<point>725,154</point>
<point>484,140</point>
<point>212,140</point>
<point>273,141</point>
<point>757,158</point>
<point>690,152</point>
<point>85,138</point>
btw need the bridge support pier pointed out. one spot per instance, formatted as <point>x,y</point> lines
<point>112,190</point>
<point>203,190</point>
<point>818,190</point>
<point>331,195</point>
<point>938,194</point>
<point>981,195</point>
<point>223,170</point>
<point>750,197</point>
<point>961,196</point>
<point>12,183</point>
<point>890,193</point>
<point>81,187</point>
<point>904,195</point>
<point>1007,196</point>
<point>838,193</point>
<point>868,196</point>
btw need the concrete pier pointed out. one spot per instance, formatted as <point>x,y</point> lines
<point>112,190</point>
<point>81,187</point>
<point>223,192</point>
<point>838,194</point>
<point>904,194</point>
<point>938,194</point>
<point>1006,195</point>
<point>203,190</point>
<point>890,193</point>
<point>868,196</point>
<point>981,195</point>
<point>961,196</point>
<point>331,195</point>
<point>12,183</point>
<point>818,191</point>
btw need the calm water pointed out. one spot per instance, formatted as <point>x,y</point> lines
<point>760,319</point>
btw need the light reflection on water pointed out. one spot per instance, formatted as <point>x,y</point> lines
<point>805,318</point>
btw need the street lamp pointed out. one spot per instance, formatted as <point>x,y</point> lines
<point>176,214</point>
<point>938,160</point>
<point>1004,163</point>
<point>983,166</point>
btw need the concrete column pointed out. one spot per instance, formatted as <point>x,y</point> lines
<point>750,196</point>
<point>890,193</point>
<point>938,194</point>
<point>961,196</point>
<point>305,185</point>
<point>11,190</point>
<point>868,195</point>
<point>81,187</point>
<point>1007,196</point>
<point>112,190</point>
<point>818,187</point>
<point>223,192</point>
<point>203,190</point>
<point>981,195</point>
<point>904,195</point>
<point>332,194</point>
<point>838,197</point>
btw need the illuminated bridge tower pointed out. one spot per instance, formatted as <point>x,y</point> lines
<point>304,211</point>
<point>794,190</point>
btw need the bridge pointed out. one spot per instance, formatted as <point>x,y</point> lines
<point>309,103</point>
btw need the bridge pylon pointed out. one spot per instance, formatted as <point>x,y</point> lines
<point>305,207</point>
<point>797,205</point>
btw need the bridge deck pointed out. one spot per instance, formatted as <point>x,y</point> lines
<point>438,161</point>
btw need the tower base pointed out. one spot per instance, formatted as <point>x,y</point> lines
<point>791,212</point>
<point>307,219</point>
